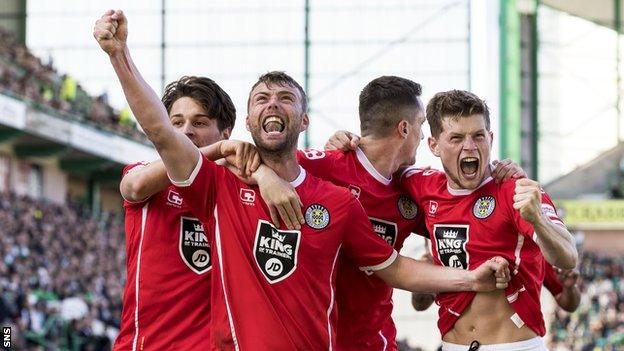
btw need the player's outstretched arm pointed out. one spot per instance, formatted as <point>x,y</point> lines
<point>178,153</point>
<point>417,276</point>
<point>555,241</point>
<point>570,297</point>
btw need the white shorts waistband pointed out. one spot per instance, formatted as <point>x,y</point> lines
<point>534,344</point>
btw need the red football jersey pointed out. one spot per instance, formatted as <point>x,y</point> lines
<point>467,227</point>
<point>166,300</point>
<point>364,301</point>
<point>278,286</point>
<point>551,281</point>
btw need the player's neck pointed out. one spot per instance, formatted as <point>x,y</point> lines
<point>381,154</point>
<point>285,166</point>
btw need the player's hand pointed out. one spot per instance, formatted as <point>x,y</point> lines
<point>244,156</point>
<point>342,140</point>
<point>528,200</point>
<point>492,274</point>
<point>111,32</point>
<point>422,301</point>
<point>567,277</point>
<point>507,169</point>
<point>281,198</point>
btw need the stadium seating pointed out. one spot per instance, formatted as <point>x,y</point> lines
<point>61,275</point>
<point>598,324</point>
<point>24,76</point>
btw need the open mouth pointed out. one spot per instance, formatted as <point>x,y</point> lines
<point>469,166</point>
<point>273,125</point>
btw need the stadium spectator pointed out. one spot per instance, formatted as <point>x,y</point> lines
<point>60,273</point>
<point>24,75</point>
<point>598,323</point>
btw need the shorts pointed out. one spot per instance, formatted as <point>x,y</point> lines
<point>534,344</point>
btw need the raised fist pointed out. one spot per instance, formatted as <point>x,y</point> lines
<point>528,199</point>
<point>111,32</point>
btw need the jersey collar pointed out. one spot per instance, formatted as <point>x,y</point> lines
<point>461,192</point>
<point>300,178</point>
<point>368,166</point>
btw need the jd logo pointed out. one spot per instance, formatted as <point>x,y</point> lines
<point>276,251</point>
<point>386,230</point>
<point>450,242</point>
<point>194,247</point>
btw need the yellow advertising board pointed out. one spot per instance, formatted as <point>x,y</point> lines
<point>593,214</point>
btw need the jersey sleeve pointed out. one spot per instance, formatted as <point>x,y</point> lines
<point>411,180</point>
<point>360,243</point>
<point>316,162</point>
<point>127,170</point>
<point>551,282</point>
<point>199,190</point>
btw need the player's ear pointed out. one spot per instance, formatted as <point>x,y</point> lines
<point>402,129</point>
<point>491,137</point>
<point>226,133</point>
<point>434,146</point>
<point>247,124</point>
<point>305,121</point>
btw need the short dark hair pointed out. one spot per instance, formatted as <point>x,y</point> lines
<point>383,102</point>
<point>282,79</point>
<point>454,104</point>
<point>207,93</point>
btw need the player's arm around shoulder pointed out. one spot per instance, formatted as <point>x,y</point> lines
<point>553,238</point>
<point>140,183</point>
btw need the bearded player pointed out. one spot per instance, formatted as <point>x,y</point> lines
<point>276,285</point>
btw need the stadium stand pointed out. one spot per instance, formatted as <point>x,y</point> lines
<point>598,323</point>
<point>60,274</point>
<point>25,76</point>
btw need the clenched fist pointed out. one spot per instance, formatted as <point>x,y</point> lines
<point>528,200</point>
<point>111,32</point>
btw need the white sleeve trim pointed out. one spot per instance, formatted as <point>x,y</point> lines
<point>191,178</point>
<point>384,264</point>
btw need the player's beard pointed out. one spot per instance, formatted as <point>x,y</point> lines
<point>277,152</point>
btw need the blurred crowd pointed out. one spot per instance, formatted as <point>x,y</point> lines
<point>598,323</point>
<point>61,275</point>
<point>25,76</point>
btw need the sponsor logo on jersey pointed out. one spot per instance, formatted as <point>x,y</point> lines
<point>407,207</point>
<point>194,247</point>
<point>276,251</point>
<point>386,230</point>
<point>484,206</point>
<point>313,154</point>
<point>173,198</point>
<point>429,172</point>
<point>433,207</point>
<point>355,190</point>
<point>450,242</point>
<point>317,216</point>
<point>247,196</point>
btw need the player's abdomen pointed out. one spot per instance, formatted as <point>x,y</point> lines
<point>488,320</point>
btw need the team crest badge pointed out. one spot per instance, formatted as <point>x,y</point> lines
<point>484,207</point>
<point>450,244</point>
<point>194,247</point>
<point>276,251</point>
<point>407,207</point>
<point>317,216</point>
